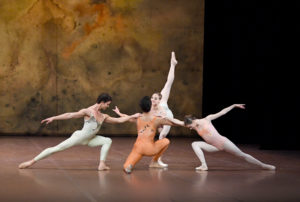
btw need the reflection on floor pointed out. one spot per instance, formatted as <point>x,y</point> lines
<point>72,176</point>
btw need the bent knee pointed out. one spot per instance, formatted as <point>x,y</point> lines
<point>166,141</point>
<point>108,140</point>
<point>196,144</point>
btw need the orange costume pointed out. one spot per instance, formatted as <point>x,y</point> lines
<point>145,145</point>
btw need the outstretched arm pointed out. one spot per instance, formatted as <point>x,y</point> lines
<point>110,119</point>
<point>165,92</point>
<point>69,115</point>
<point>224,111</point>
<point>117,111</point>
<point>169,121</point>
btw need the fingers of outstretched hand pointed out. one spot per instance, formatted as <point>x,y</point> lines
<point>242,106</point>
<point>47,121</point>
<point>116,109</point>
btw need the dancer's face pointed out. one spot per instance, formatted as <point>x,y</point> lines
<point>106,105</point>
<point>155,99</point>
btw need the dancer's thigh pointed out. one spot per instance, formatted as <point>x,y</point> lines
<point>98,141</point>
<point>231,148</point>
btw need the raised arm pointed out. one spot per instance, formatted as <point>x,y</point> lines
<point>224,111</point>
<point>69,115</point>
<point>165,92</point>
<point>110,119</point>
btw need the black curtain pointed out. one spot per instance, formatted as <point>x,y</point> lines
<point>247,59</point>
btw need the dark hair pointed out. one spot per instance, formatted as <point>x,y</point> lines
<point>159,95</point>
<point>145,104</point>
<point>104,97</point>
<point>188,119</point>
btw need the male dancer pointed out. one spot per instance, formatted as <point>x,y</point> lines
<point>93,119</point>
<point>145,145</point>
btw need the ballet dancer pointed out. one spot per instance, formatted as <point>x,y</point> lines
<point>214,141</point>
<point>160,103</point>
<point>93,119</point>
<point>145,145</point>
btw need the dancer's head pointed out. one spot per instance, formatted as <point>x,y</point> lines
<point>155,99</point>
<point>145,104</point>
<point>189,121</point>
<point>104,99</point>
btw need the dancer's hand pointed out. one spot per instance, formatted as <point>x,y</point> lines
<point>48,120</point>
<point>137,115</point>
<point>242,106</point>
<point>173,59</point>
<point>116,110</point>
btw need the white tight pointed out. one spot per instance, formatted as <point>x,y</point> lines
<point>228,147</point>
<point>78,140</point>
<point>164,132</point>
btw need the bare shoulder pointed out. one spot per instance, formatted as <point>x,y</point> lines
<point>106,116</point>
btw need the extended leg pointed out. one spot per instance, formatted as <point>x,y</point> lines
<point>197,147</point>
<point>167,88</point>
<point>230,147</point>
<point>105,142</point>
<point>131,160</point>
<point>72,141</point>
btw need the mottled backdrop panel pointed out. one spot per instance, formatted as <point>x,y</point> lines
<point>58,56</point>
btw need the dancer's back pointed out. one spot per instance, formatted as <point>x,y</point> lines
<point>146,127</point>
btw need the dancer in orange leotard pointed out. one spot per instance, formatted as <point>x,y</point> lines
<point>145,145</point>
<point>216,142</point>
<point>160,103</point>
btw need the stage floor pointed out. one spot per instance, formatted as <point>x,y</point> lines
<point>72,176</point>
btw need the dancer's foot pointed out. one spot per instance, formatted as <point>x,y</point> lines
<point>269,167</point>
<point>128,169</point>
<point>162,163</point>
<point>202,167</point>
<point>173,59</point>
<point>155,164</point>
<point>103,166</point>
<point>26,164</point>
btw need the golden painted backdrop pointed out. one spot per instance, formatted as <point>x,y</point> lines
<point>58,56</point>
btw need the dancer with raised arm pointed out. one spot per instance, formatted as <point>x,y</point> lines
<point>145,145</point>
<point>216,142</point>
<point>160,103</point>
<point>93,119</point>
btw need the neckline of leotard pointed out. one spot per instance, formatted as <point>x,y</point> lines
<point>92,116</point>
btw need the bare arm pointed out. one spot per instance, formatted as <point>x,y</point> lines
<point>69,115</point>
<point>169,121</point>
<point>110,119</point>
<point>117,111</point>
<point>224,111</point>
<point>165,92</point>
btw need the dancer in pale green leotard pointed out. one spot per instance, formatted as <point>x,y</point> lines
<point>93,119</point>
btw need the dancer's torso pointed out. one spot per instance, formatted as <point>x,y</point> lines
<point>208,132</point>
<point>91,126</point>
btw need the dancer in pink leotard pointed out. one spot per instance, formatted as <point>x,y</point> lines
<point>214,141</point>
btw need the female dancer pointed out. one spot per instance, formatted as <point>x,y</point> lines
<point>160,103</point>
<point>93,119</point>
<point>214,141</point>
<point>145,145</point>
